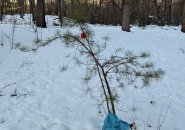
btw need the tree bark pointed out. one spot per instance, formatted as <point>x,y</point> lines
<point>126,15</point>
<point>40,15</point>
<point>183,18</point>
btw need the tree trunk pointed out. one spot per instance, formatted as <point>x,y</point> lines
<point>100,11</point>
<point>2,8</point>
<point>113,13</point>
<point>21,8</point>
<point>183,18</point>
<point>61,11</point>
<point>147,13</point>
<point>32,9</point>
<point>164,13</point>
<point>144,12</point>
<point>126,15</point>
<point>169,12</point>
<point>72,7</point>
<point>40,15</point>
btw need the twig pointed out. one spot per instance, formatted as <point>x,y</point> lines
<point>160,124</point>
<point>8,85</point>
<point>21,95</point>
<point>8,37</point>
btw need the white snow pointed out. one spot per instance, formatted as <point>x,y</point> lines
<point>49,99</point>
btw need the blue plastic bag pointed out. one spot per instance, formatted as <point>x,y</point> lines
<point>112,122</point>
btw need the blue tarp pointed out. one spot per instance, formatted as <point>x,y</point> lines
<point>112,122</point>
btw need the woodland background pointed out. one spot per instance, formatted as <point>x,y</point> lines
<point>109,12</point>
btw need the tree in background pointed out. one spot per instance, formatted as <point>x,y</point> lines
<point>2,10</point>
<point>109,12</point>
<point>32,9</point>
<point>167,12</point>
<point>144,6</point>
<point>126,15</point>
<point>21,7</point>
<point>61,11</point>
<point>40,15</point>
<point>183,18</point>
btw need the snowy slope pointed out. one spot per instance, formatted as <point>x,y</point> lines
<point>48,99</point>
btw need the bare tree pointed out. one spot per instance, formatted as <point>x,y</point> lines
<point>40,15</point>
<point>126,15</point>
<point>183,18</point>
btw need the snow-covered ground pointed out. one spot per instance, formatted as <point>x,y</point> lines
<point>36,95</point>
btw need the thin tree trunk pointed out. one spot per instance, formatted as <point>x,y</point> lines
<point>32,9</point>
<point>25,6</point>
<point>2,8</point>
<point>61,11</point>
<point>5,7</point>
<point>147,13</point>
<point>164,12</point>
<point>113,14</point>
<point>99,11</point>
<point>92,17</point>
<point>183,18</point>
<point>169,12</point>
<point>126,15</point>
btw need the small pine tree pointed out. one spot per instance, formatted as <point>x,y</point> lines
<point>123,70</point>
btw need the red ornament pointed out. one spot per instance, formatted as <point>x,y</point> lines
<point>83,35</point>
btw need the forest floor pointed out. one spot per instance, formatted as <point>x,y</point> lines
<point>36,95</point>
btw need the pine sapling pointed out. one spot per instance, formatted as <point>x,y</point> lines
<point>119,69</point>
